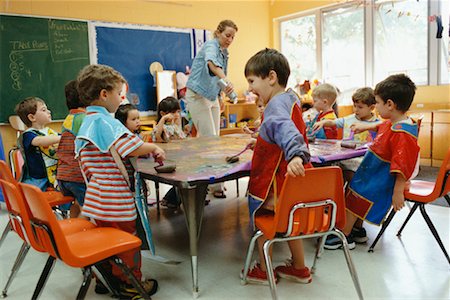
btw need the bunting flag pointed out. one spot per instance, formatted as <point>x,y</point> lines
<point>198,38</point>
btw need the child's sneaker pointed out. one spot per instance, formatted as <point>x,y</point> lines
<point>333,242</point>
<point>359,235</point>
<point>291,273</point>
<point>258,276</point>
<point>128,291</point>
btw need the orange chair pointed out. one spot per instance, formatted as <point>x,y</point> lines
<point>54,198</point>
<point>19,221</point>
<point>85,249</point>
<point>309,206</point>
<point>16,162</point>
<point>421,193</point>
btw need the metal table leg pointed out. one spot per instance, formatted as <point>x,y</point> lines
<point>193,199</point>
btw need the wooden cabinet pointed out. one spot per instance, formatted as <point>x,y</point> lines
<point>441,136</point>
<point>425,135</point>
<point>243,110</point>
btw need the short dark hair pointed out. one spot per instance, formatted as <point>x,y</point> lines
<point>168,105</point>
<point>72,97</point>
<point>267,60</point>
<point>27,106</point>
<point>399,88</point>
<point>122,111</point>
<point>364,95</point>
<point>94,78</point>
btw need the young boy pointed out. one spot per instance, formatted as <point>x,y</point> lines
<point>37,143</point>
<point>280,150</point>
<point>363,106</point>
<point>102,144</point>
<point>392,158</point>
<point>70,179</point>
<point>324,96</point>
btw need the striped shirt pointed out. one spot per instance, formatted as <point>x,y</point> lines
<point>108,196</point>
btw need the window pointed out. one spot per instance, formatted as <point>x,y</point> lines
<point>298,43</point>
<point>444,43</point>
<point>401,40</point>
<point>343,47</point>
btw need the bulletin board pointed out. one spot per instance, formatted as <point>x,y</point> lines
<point>130,49</point>
<point>38,56</point>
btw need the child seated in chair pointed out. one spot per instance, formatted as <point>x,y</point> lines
<point>363,106</point>
<point>391,160</point>
<point>324,97</point>
<point>280,150</point>
<point>37,144</point>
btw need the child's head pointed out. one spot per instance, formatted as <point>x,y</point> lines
<point>267,72</point>
<point>324,96</point>
<point>72,97</point>
<point>363,103</point>
<point>395,93</point>
<point>128,115</point>
<point>168,105</point>
<point>33,112</point>
<point>100,85</point>
<point>260,106</point>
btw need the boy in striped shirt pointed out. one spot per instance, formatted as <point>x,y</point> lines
<point>109,199</point>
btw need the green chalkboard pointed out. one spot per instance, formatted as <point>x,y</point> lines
<point>37,57</point>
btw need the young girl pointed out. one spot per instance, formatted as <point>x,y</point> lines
<point>254,132</point>
<point>169,121</point>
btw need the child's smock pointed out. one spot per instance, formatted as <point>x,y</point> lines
<point>329,132</point>
<point>108,196</point>
<point>393,152</point>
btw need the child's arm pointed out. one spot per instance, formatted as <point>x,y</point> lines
<point>324,123</point>
<point>45,141</point>
<point>159,128</point>
<point>146,148</point>
<point>360,127</point>
<point>398,199</point>
<point>295,167</point>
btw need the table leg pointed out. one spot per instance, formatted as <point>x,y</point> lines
<point>193,199</point>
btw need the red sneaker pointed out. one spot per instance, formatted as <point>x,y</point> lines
<point>258,276</point>
<point>291,273</point>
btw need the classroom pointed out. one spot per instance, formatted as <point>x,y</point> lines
<point>350,44</point>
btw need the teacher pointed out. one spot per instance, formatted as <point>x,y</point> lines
<point>202,95</point>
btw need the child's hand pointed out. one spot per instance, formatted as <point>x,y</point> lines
<point>168,117</point>
<point>251,144</point>
<point>358,127</point>
<point>159,154</point>
<point>295,167</point>
<point>247,130</point>
<point>398,200</point>
<point>318,125</point>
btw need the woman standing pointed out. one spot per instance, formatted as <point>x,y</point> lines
<point>208,67</point>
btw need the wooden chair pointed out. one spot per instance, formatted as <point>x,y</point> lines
<point>309,206</point>
<point>421,193</point>
<point>85,249</point>
<point>19,220</point>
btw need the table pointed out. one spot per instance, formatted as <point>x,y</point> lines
<point>201,161</point>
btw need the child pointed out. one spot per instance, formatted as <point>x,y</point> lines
<point>37,143</point>
<point>260,107</point>
<point>280,150</point>
<point>70,179</point>
<point>324,97</point>
<point>169,121</point>
<point>392,158</point>
<point>100,141</point>
<point>169,128</point>
<point>363,106</point>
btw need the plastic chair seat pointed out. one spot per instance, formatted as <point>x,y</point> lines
<point>91,246</point>
<point>74,225</point>
<point>420,191</point>
<point>56,198</point>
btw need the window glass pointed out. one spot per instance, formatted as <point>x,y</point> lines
<point>444,43</point>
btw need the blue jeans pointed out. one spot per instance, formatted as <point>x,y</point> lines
<point>74,189</point>
<point>41,183</point>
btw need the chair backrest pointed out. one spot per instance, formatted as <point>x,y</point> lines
<point>5,173</point>
<point>47,231</point>
<point>318,184</point>
<point>19,213</point>
<point>442,186</point>
<point>16,161</point>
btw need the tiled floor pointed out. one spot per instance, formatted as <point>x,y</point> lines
<point>412,267</point>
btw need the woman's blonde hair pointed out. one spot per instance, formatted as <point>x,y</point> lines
<point>224,24</point>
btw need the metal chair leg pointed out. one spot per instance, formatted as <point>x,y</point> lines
<point>87,276</point>
<point>319,250</point>
<point>383,228</point>
<point>447,198</point>
<point>44,276</point>
<point>135,282</point>
<point>237,187</point>
<point>19,260</point>
<point>5,232</point>
<point>157,196</point>
<point>106,278</point>
<point>433,231</point>
<point>249,256</point>
<point>269,269</point>
<point>411,212</point>
<point>351,266</point>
